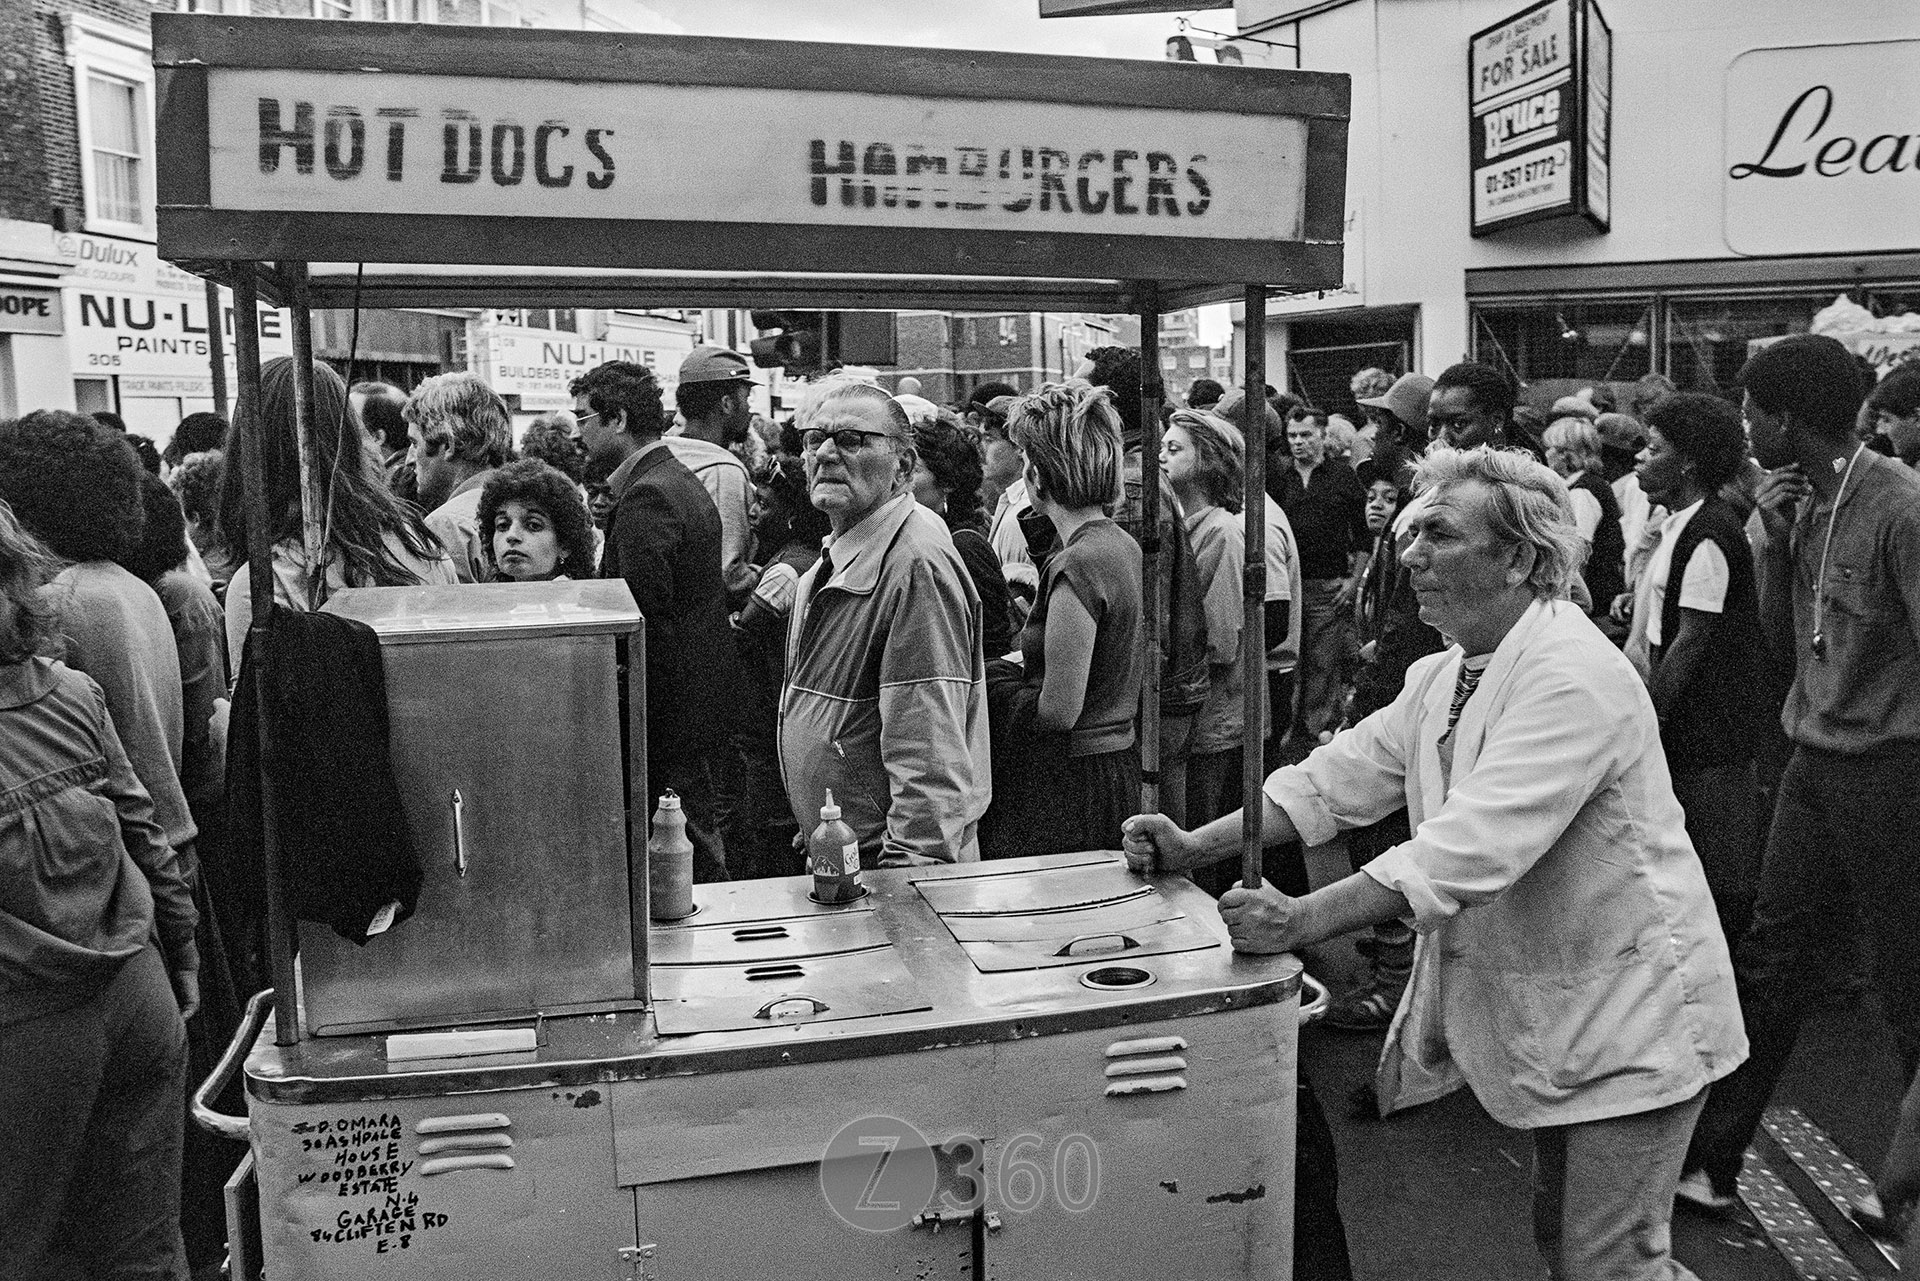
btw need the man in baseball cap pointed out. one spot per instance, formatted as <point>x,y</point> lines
<point>1399,420</point>
<point>715,398</point>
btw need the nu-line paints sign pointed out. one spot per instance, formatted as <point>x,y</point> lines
<point>1540,110</point>
<point>1823,149</point>
<point>333,142</point>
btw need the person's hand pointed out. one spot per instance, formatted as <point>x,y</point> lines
<point>1368,650</point>
<point>1621,611</point>
<point>186,990</point>
<point>1899,1182</point>
<point>1778,498</point>
<point>1344,597</point>
<point>1153,845</point>
<point>1260,921</point>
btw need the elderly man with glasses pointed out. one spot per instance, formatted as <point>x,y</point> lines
<point>885,704</point>
<point>1570,968</point>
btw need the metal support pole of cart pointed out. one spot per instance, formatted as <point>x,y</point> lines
<point>1151,391</point>
<point>313,503</point>
<point>216,349</point>
<point>1253,586</point>
<point>260,531</point>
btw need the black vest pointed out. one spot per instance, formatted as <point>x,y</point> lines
<point>1717,719</point>
<point>1605,572</point>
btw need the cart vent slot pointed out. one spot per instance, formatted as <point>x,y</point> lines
<point>760,933</point>
<point>476,1161</point>
<point>464,1121</point>
<point>464,1143</point>
<point>758,973</point>
<point>1147,1045</point>
<point>1146,1085</point>
<point>1148,1067</point>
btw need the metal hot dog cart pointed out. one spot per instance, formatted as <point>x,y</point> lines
<point>1046,1067</point>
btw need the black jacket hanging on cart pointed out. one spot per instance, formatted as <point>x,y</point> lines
<point>345,852</point>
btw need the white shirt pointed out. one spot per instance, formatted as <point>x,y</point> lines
<point>1586,509</point>
<point>1009,540</point>
<point>1703,583</point>
<point>1635,512</point>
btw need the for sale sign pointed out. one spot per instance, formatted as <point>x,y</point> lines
<point>1539,94</point>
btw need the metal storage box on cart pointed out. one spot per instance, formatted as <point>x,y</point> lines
<point>514,802</point>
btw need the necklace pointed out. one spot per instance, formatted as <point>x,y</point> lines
<point>1820,582</point>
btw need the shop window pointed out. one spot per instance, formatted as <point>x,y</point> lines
<point>338,9</point>
<point>91,395</point>
<point>232,8</point>
<point>1585,342</point>
<point>1709,339</point>
<point>113,99</point>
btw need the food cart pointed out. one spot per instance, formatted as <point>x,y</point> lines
<point>1036,1067</point>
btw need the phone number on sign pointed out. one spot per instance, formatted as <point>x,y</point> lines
<point>1522,174</point>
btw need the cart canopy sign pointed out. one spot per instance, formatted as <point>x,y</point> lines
<point>548,149</point>
<point>413,131</point>
<point>1540,100</point>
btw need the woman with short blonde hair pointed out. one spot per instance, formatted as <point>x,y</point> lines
<point>1573,451</point>
<point>1067,767</point>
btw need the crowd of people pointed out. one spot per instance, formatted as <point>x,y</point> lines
<point>1618,677</point>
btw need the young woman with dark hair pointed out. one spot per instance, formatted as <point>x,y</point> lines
<point>96,938</point>
<point>1696,637</point>
<point>946,480</point>
<point>370,537</point>
<point>538,525</point>
<point>1205,458</point>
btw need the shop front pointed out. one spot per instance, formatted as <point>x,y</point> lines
<point>1580,197</point>
<point>137,333</point>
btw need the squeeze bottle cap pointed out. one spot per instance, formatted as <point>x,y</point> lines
<point>829,811</point>
<point>669,800</point>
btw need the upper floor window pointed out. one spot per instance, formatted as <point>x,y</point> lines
<point>113,99</point>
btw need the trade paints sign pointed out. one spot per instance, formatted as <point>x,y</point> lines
<point>1823,149</point>
<point>337,142</point>
<point>1540,107</point>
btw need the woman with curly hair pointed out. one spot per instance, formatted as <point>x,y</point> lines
<point>946,480</point>
<point>1066,763</point>
<point>97,949</point>
<point>538,525</point>
<point>75,485</point>
<point>369,537</point>
<point>1204,458</point>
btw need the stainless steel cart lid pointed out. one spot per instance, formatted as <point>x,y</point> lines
<point>490,611</point>
<point>1053,917</point>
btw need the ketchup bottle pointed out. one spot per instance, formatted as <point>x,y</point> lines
<point>833,854</point>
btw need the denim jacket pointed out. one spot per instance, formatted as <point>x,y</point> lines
<point>86,875</point>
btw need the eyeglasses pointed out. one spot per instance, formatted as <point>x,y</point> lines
<point>581,420</point>
<point>846,439</point>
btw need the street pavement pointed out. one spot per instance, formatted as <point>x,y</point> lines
<point>1440,1193</point>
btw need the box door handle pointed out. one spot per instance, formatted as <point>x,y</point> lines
<point>1098,945</point>
<point>459,833</point>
